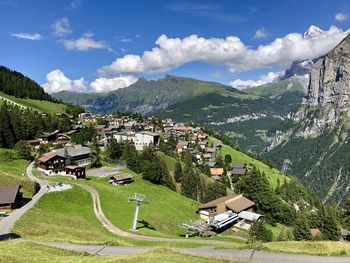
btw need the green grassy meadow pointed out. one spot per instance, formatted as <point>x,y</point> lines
<point>38,105</point>
<point>13,170</point>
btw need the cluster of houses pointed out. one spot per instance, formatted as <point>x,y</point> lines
<point>195,141</point>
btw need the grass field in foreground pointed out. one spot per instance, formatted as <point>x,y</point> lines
<point>13,251</point>
<point>272,174</point>
<point>12,171</point>
<point>325,248</point>
<point>160,217</point>
<point>38,105</point>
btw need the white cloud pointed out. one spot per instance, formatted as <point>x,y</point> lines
<point>57,81</point>
<point>84,43</point>
<point>109,84</point>
<point>260,33</point>
<point>61,27</point>
<point>35,36</point>
<point>264,79</point>
<point>123,39</point>
<point>340,17</point>
<point>74,4</point>
<point>230,52</point>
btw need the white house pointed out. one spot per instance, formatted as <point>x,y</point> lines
<point>145,139</point>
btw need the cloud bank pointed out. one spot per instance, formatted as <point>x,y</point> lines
<point>231,52</point>
<point>264,79</point>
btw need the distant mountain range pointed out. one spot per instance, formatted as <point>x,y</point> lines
<point>242,115</point>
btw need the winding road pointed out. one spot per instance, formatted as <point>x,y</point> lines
<point>247,255</point>
<point>7,223</point>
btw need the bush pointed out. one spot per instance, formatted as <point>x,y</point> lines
<point>259,232</point>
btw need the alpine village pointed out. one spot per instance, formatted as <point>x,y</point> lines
<point>177,169</point>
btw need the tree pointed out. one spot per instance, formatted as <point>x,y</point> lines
<point>178,172</point>
<point>302,228</point>
<point>114,150</point>
<point>95,154</point>
<point>23,150</point>
<point>329,224</point>
<point>228,159</point>
<point>130,156</point>
<point>259,232</point>
<point>191,184</point>
<point>214,190</point>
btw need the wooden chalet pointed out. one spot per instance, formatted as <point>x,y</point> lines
<point>121,179</point>
<point>51,163</point>
<point>235,203</point>
<point>76,171</point>
<point>10,196</point>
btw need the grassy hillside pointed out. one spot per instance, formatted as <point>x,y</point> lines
<point>160,217</point>
<point>77,221</point>
<point>276,90</point>
<point>272,174</point>
<point>12,251</point>
<point>38,105</point>
<point>12,170</point>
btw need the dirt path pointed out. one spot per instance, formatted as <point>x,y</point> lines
<point>116,230</point>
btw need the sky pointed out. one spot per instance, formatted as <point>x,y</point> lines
<point>99,46</point>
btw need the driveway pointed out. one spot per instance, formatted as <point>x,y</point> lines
<point>104,171</point>
<point>8,222</point>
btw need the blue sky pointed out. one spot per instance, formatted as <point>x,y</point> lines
<point>77,41</point>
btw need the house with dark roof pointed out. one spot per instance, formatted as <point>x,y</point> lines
<point>74,155</point>
<point>75,171</point>
<point>121,179</point>
<point>238,169</point>
<point>234,203</point>
<point>10,196</point>
<point>51,163</point>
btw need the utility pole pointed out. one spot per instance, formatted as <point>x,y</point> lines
<point>140,199</point>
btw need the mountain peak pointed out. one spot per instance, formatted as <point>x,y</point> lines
<point>312,32</point>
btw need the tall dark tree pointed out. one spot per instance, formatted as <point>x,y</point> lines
<point>302,228</point>
<point>95,154</point>
<point>259,232</point>
<point>191,185</point>
<point>214,190</point>
<point>114,150</point>
<point>178,174</point>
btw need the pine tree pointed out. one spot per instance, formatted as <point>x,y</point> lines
<point>302,228</point>
<point>95,154</point>
<point>178,172</point>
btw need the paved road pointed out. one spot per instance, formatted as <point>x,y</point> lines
<point>231,254</point>
<point>7,223</point>
<point>116,230</point>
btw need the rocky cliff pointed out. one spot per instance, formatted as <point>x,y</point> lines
<point>315,138</point>
<point>330,78</point>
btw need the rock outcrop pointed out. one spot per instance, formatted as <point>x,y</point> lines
<point>330,78</point>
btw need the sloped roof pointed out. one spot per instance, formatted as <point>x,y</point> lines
<point>240,204</point>
<point>238,165</point>
<point>239,171</point>
<point>249,215</point>
<point>216,171</point>
<point>73,151</point>
<point>8,193</point>
<point>46,157</point>
<point>215,202</point>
